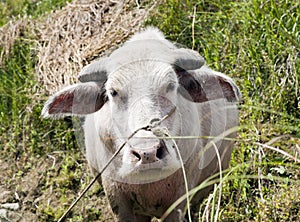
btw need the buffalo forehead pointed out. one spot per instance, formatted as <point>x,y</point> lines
<point>142,50</point>
<point>143,73</point>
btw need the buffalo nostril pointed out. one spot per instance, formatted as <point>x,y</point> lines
<point>161,151</point>
<point>136,154</point>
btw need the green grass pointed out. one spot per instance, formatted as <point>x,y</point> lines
<point>10,9</point>
<point>21,125</point>
<point>29,145</point>
<point>255,42</point>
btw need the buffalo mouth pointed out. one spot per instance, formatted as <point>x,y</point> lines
<point>146,173</point>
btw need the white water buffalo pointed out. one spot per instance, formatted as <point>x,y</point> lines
<point>146,79</point>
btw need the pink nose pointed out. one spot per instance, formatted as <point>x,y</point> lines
<point>145,156</point>
<point>149,155</point>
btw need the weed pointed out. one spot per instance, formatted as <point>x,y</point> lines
<point>12,8</point>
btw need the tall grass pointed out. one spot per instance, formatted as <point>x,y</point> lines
<point>10,9</point>
<point>21,125</point>
<point>27,142</point>
<point>257,43</point>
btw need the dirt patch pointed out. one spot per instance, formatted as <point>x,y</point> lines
<point>19,188</point>
<point>42,192</point>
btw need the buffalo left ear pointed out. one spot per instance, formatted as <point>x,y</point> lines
<point>204,84</point>
<point>76,100</point>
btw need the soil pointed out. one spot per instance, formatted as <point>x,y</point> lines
<point>37,196</point>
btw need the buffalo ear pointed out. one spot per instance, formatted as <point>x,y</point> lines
<point>205,84</point>
<point>75,100</point>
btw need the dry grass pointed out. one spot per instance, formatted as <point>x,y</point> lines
<point>80,32</point>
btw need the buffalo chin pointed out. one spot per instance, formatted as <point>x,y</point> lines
<point>147,173</point>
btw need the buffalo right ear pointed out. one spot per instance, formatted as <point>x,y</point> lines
<point>76,100</point>
<point>205,85</point>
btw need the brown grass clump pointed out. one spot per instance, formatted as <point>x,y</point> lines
<point>70,38</point>
<point>10,32</point>
<point>80,32</point>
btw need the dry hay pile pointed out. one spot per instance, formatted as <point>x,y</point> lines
<point>81,31</point>
<point>70,38</point>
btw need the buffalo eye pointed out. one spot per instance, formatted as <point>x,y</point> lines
<point>113,93</point>
<point>170,87</point>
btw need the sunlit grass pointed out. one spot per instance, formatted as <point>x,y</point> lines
<point>10,9</point>
<point>27,141</point>
<point>255,42</point>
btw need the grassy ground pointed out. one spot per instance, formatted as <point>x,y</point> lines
<point>42,167</point>
<point>255,42</point>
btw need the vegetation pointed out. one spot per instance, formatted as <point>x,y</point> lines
<point>41,163</point>
<point>12,8</point>
<point>256,42</point>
